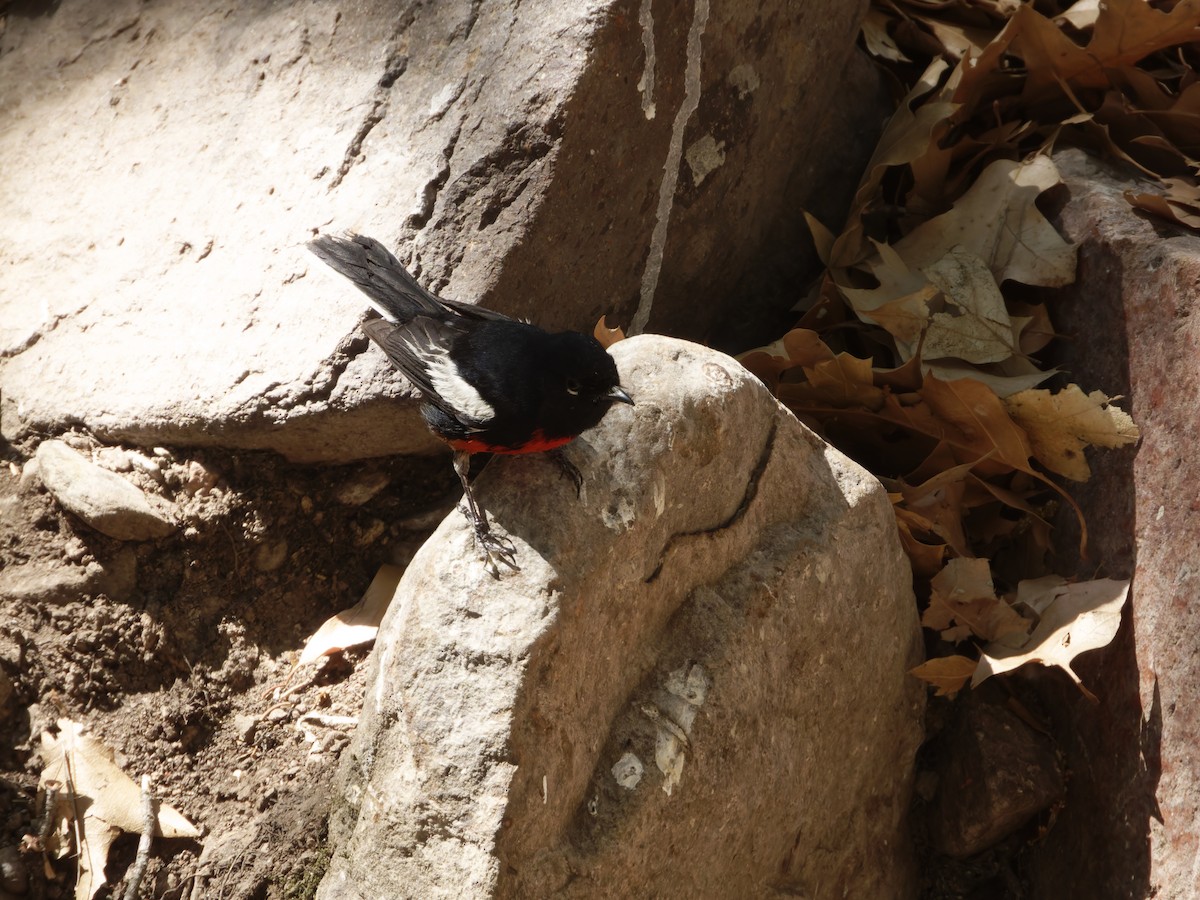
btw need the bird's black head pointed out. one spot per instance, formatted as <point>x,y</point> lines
<point>580,383</point>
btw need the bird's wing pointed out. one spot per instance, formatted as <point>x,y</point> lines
<point>421,350</point>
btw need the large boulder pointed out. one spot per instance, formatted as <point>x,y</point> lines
<point>695,686</point>
<point>164,164</point>
<point>1130,826</point>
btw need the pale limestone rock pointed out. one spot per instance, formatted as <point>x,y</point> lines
<point>696,686</point>
<point>102,499</point>
<point>167,161</point>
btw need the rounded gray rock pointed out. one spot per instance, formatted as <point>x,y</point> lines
<point>102,499</point>
<point>725,611</point>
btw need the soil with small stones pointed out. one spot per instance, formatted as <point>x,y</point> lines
<point>177,654</point>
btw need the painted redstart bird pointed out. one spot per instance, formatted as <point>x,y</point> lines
<point>490,384</point>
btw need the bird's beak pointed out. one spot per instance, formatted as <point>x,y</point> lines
<point>619,394</point>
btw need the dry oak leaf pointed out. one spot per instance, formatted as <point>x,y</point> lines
<point>963,596</point>
<point>948,674</point>
<point>978,423</point>
<point>1061,425</point>
<point>1180,203</point>
<point>1125,32</point>
<point>911,133</point>
<point>96,803</point>
<point>1082,617</point>
<point>605,335</point>
<point>998,221</point>
<point>976,327</point>
<point>358,624</point>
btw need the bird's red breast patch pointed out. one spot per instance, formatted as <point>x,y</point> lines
<point>538,443</point>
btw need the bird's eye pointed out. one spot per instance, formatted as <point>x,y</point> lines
<point>573,386</point>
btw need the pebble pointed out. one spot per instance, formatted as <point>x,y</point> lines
<point>14,877</point>
<point>114,458</point>
<point>362,487</point>
<point>102,499</point>
<point>44,583</point>
<point>271,555</point>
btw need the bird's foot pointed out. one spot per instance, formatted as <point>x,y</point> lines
<point>567,469</point>
<point>497,550</point>
<point>494,549</point>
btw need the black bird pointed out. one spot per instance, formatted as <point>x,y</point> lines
<point>490,384</point>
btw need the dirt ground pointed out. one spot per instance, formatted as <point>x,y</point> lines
<point>179,663</point>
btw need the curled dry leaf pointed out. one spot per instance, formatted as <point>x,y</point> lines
<point>963,597</point>
<point>1061,425</point>
<point>605,335</point>
<point>948,674</point>
<point>98,802</point>
<point>357,625</point>
<point>1179,203</point>
<point>1080,617</point>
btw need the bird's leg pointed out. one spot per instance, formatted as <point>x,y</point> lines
<point>495,549</point>
<point>567,469</point>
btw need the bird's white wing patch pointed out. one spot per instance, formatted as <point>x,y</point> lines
<point>456,390</point>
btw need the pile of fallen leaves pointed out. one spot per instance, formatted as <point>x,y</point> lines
<point>918,353</point>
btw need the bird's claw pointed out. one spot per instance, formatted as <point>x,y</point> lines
<point>568,469</point>
<point>496,550</point>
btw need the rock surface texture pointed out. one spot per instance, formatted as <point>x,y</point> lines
<point>1131,823</point>
<point>696,686</point>
<point>165,164</point>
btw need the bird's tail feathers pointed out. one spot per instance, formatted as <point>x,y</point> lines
<point>389,287</point>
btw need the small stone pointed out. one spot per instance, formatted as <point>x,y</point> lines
<point>245,726</point>
<point>998,775</point>
<point>199,477</point>
<point>271,555</point>
<point>362,487</point>
<point>40,582</point>
<point>145,464</point>
<point>114,458</point>
<point>30,477</point>
<point>102,499</point>
<point>14,877</point>
<point>74,550</point>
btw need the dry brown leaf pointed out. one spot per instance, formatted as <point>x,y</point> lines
<point>1061,425</point>
<point>1179,203</point>
<point>940,500</point>
<point>957,40</point>
<point>949,674</point>
<point>358,624</point>
<point>976,327</point>
<point>926,557</point>
<point>963,597</point>
<point>879,42</point>
<point>1083,617</point>
<point>980,426</point>
<point>1035,594</point>
<point>605,335</point>
<point>911,133</point>
<point>1081,14</point>
<point>822,237</point>
<point>1004,379</point>
<point>96,803</point>
<point>998,221</point>
<point>1033,325</point>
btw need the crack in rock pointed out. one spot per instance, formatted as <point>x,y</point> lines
<point>747,498</point>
